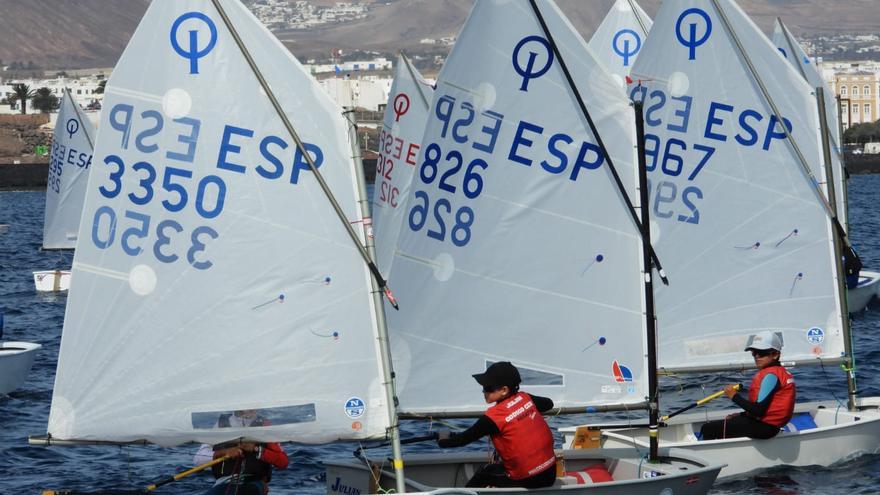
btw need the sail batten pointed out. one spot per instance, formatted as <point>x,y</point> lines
<point>213,276</point>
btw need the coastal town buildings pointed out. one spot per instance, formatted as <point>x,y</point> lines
<point>857,86</point>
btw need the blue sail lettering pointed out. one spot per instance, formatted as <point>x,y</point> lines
<point>772,132</point>
<point>124,125</point>
<point>226,147</point>
<point>712,120</point>
<point>683,112</point>
<point>231,145</point>
<point>520,140</point>
<point>464,121</point>
<point>744,125</point>
<point>267,154</point>
<point>190,140</point>
<point>443,111</point>
<point>555,151</point>
<point>581,161</point>
<point>149,132</point>
<point>660,96</point>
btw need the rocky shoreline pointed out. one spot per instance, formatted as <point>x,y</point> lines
<point>31,172</point>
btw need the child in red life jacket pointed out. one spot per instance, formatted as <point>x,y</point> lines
<point>518,431</point>
<point>771,396</point>
<point>249,469</point>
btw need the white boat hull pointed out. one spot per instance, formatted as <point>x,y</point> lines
<point>678,472</point>
<point>860,296</point>
<point>52,280</point>
<point>16,359</point>
<point>840,435</point>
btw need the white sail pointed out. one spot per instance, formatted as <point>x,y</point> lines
<point>619,39</point>
<point>69,163</point>
<point>517,244</point>
<point>399,143</point>
<point>797,57</point>
<point>212,275</point>
<point>736,220</point>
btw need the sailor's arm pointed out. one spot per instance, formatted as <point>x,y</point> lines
<point>484,426</point>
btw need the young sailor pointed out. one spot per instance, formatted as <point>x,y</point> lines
<point>771,396</point>
<point>518,431</point>
<point>249,469</point>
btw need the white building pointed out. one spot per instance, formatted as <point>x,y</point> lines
<point>84,90</point>
<point>380,63</point>
<point>369,92</point>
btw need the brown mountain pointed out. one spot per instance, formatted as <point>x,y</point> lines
<point>67,33</point>
<point>93,33</point>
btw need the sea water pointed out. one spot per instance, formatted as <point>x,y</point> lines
<point>38,317</point>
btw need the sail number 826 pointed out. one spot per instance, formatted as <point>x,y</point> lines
<point>471,186</point>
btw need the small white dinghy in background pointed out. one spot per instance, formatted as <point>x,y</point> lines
<point>743,223</point>
<point>52,280</point>
<point>16,360</point>
<point>861,295</point>
<point>512,157</point>
<point>868,285</point>
<point>69,164</point>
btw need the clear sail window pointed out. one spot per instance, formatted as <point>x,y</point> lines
<point>254,418</point>
<point>533,377</point>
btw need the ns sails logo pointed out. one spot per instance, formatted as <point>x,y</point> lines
<point>190,50</point>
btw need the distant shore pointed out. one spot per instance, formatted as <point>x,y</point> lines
<point>31,172</point>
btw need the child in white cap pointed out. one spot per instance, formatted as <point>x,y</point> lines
<point>772,395</point>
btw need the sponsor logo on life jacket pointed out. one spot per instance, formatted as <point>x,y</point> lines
<point>516,400</point>
<point>510,417</point>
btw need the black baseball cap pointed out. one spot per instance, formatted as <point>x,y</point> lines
<point>498,375</point>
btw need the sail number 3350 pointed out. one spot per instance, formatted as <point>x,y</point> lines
<point>177,187</point>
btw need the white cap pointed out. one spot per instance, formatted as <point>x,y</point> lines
<point>765,340</point>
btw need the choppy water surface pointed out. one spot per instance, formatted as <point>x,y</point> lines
<point>38,318</point>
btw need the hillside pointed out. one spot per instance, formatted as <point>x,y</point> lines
<point>92,33</point>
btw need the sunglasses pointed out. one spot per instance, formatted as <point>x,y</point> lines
<point>762,352</point>
<point>489,389</point>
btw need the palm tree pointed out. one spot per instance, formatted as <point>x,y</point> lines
<point>44,100</point>
<point>22,92</point>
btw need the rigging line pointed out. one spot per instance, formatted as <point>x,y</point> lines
<point>374,270</point>
<point>415,79</point>
<point>633,6</point>
<point>791,48</point>
<point>799,65</point>
<point>805,166</point>
<point>621,189</point>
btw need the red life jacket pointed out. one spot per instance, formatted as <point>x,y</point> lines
<point>524,441</point>
<point>782,404</point>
